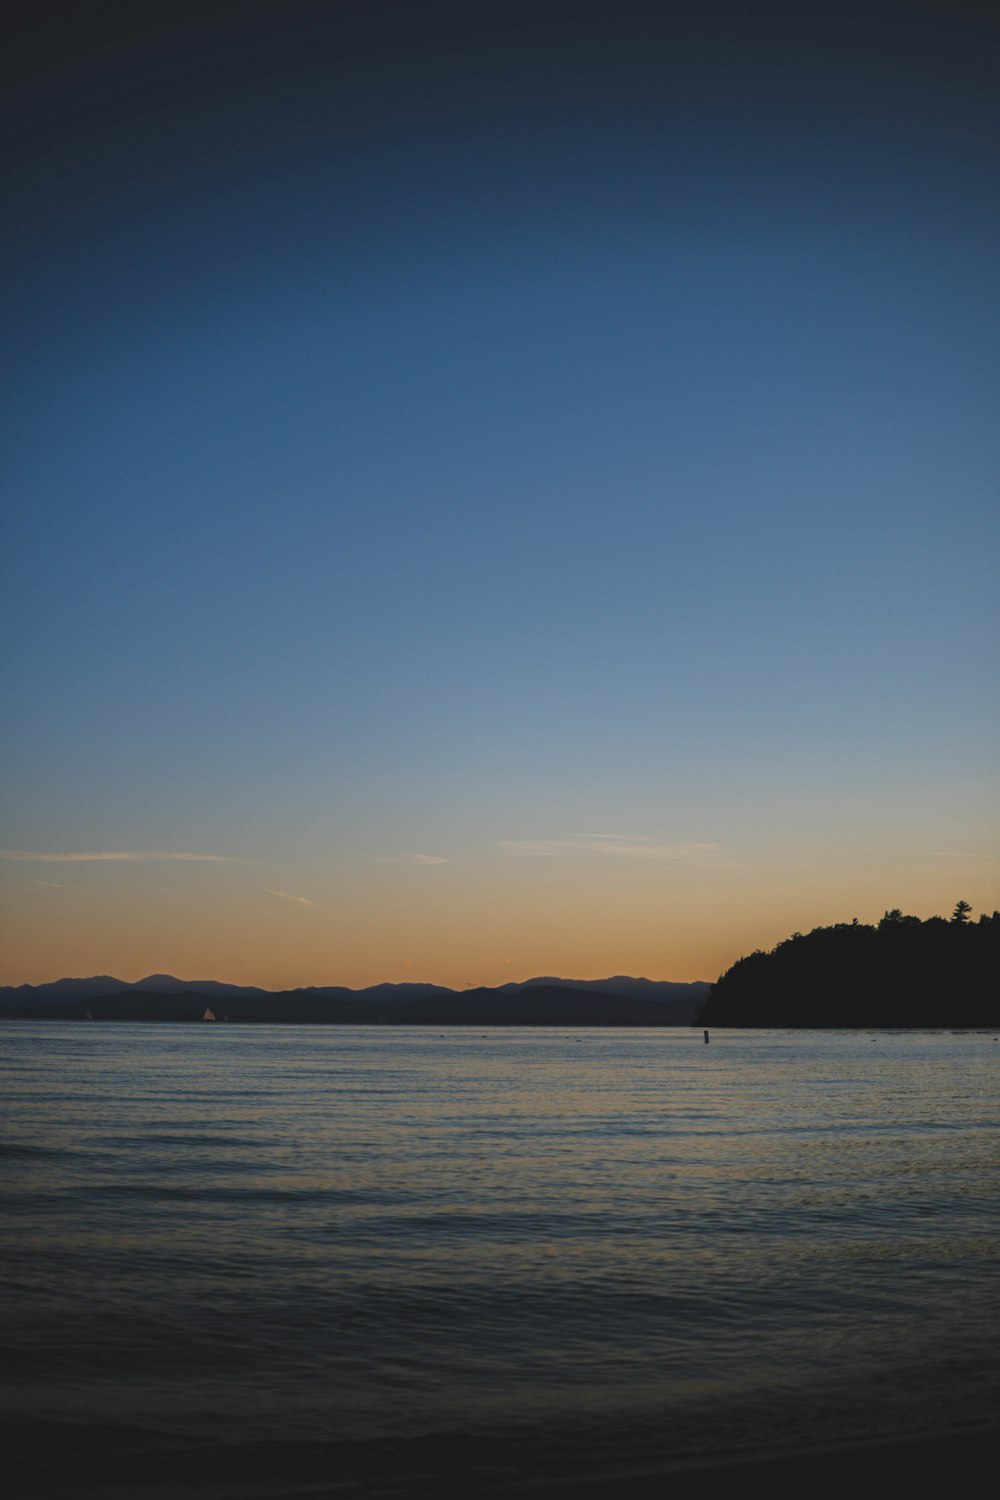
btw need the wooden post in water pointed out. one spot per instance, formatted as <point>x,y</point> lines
<point>706,1035</point>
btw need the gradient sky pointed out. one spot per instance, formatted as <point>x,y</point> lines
<point>495,489</point>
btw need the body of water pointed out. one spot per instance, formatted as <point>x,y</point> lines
<point>390,1260</point>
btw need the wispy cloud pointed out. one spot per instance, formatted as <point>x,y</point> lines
<point>614,846</point>
<point>424,859</point>
<point>288,896</point>
<point>91,856</point>
<point>46,885</point>
<point>987,854</point>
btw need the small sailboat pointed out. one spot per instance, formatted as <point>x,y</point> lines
<point>209,1014</point>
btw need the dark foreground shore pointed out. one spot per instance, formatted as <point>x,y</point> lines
<point>919,1464</point>
<point>915,1464</point>
<point>945,1461</point>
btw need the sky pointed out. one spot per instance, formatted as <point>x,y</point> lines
<point>494,489</point>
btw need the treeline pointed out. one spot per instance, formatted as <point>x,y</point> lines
<point>535,1005</point>
<point>901,972</point>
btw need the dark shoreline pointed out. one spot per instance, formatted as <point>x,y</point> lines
<point>926,1462</point>
<point>868,1466</point>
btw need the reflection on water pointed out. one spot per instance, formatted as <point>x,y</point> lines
<point>371,1245</point>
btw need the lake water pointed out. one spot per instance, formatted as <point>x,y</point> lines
<point>393,1260</point>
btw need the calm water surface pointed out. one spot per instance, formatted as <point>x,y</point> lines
<point>390,1259</point>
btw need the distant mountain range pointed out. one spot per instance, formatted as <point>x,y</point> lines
<point>618,1001</point>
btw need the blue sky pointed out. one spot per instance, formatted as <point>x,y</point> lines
<point>529,491</point>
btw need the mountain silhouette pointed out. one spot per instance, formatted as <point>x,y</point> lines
<point>535,1002</point>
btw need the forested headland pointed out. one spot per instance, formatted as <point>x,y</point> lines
<point>900,972</point>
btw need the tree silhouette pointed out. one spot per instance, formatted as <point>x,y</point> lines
<point>902,972</point>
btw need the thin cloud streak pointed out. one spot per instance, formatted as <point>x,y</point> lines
<point>686,851</point>
<point>288,896</point>
<point>91,856</point>
<point>987,854</point>
<point>424,859</point>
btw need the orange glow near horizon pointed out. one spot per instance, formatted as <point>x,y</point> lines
<point>445,924</point>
